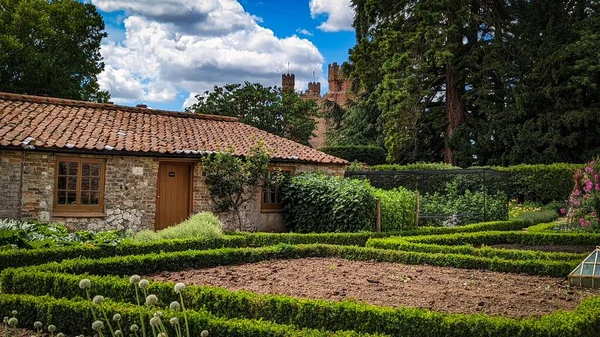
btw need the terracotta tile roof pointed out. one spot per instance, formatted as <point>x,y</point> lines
<point>32,122</point>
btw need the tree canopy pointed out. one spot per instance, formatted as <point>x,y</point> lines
<point>283,113</point>
<point>481,82</point>
<point>51,48</point>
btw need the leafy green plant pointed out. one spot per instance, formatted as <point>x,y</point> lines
<point>203,225</point>
<point>398,208</point>
<point>232,180</point>
<point>470,204</point>
<point>316,202</point>
<point>19,234</point>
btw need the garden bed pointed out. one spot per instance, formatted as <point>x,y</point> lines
<point>548,248</point>
<point>387,284</point>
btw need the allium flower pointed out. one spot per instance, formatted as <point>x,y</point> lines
<point>162,334</point>
<point>204,333</point>
<point>577,192</point>
<point>60,334</point>
<point>85,283</point>
<point>134,328</point>
<point>37,324</point>
<point>118,333</point>
<point>116,317</point>
<point>151,300</point>
<point>597,187</point>
<point>179,287</point>
<point>174,321</point>
<point>13,322</point>
<point>154,321</point>
<point>582,222</point>
<point>143,283</point>
<point>158,314</point>
<point>135,279</point>
<point>174,306</point>
<point>5,320</point>
<point>97,325</point>
<point>51,328</point>
<point>562,211</point>
<point>14,313</point>
<point>98,299</point>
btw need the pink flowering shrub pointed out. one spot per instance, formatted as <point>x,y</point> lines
<point>584,201</point>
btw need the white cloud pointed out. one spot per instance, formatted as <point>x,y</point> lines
<point>191,46</point>
<point>191,99</point>
<point>339,14</point>
<point>304,32</point>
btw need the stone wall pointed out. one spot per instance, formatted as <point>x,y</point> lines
<point>10,182</point>
<point>27,181</point>
<point>129,199</point>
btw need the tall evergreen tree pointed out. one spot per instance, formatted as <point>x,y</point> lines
<point>504,82</point>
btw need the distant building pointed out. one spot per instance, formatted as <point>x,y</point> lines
<point>339,92</point>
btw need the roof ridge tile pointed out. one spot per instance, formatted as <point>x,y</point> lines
<point>111,106</point>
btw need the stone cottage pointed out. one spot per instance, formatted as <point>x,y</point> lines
<point>104,166</point>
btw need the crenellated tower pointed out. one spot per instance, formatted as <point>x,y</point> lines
<point>288,81</point>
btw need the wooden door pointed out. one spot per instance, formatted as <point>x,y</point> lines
<point>173,204</point>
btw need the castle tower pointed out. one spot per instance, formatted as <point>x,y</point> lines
<point>334,77</point>
<point>288,81</point>
<point>314,89</point>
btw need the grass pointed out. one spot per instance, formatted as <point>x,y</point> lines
<point>202,225</point>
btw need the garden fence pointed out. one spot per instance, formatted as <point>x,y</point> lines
<point>448,197</point>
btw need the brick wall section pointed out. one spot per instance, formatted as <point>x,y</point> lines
<point>10,177</point>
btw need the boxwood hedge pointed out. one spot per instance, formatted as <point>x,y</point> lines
<point>17,258</point>
<point>74,317</point>
<point>300,313</point>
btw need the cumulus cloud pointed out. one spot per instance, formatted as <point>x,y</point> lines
<point>189,45</point>
<point>303,32</point>
<point>339,14</point>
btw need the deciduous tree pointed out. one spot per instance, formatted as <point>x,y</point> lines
<point>51,48</point>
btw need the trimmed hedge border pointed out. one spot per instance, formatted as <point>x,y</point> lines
<point>543,227</point>
<point>19,258</point>
<point>314,314</point>
<point>495,237</point>
<point>509,254</point>
<point>74,317</point>
<point>175,261</point>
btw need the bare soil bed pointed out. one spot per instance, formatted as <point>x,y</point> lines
<point>393,285</point>
<point>548,248</point>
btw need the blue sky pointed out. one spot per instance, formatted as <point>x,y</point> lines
<point>163,53</point>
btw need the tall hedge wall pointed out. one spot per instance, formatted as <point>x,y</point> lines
<point>368,154</point>
<point>319,203</point>
<point>536,183</point>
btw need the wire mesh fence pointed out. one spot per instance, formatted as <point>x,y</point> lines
<point>448,197</point>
